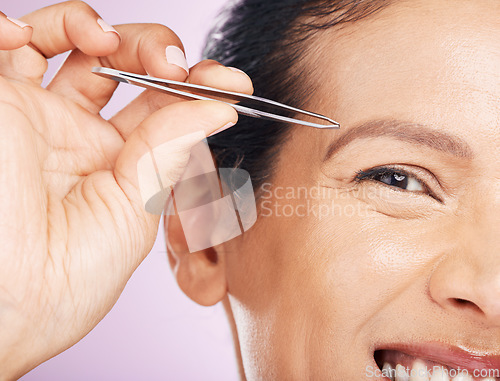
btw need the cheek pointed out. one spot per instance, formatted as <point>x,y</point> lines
<point>307,290</point>
<point>333,258</point>
<point>366,267</point>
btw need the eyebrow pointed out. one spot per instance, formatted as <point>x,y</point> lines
<point>405,131</point>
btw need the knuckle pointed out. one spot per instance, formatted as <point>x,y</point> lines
<point>78,5</point>
<point>206,64</point>
<point>159,31</point>
<point>211,62</point>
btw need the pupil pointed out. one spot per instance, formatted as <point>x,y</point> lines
<point>395,179</point>
<point>399,180</point>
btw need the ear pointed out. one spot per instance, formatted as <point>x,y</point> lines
<point>200,275</point>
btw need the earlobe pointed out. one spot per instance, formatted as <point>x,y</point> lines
<point>200,275</point>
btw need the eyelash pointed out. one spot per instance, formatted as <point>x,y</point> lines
<point>374,173</point>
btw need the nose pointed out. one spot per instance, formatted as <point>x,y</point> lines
<point>467,280</point>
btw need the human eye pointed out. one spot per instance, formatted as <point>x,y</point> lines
<point>396,178</point>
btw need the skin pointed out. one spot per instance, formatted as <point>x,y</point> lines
<point>74,226</point>
<point>311,297</point>
<point>307,297</point>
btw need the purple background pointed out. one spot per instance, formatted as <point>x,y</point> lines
<point>154,332</point>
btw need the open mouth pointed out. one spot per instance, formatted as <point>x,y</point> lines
<point>435,363</point>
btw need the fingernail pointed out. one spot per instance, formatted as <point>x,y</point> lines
<point>230,124</point>
<point>106,27</point>
<point>236,70</point>
<point>19,23</point>
<point>175,56</point>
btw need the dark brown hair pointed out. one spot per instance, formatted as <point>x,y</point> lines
<point>267,39</point>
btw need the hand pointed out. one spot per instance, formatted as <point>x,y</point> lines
<point>73,226</point>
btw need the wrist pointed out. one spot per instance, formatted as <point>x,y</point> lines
<point>18,354</point>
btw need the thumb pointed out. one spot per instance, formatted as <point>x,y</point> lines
<point>156,154</point>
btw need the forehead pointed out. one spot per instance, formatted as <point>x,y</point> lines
<point>434,62</point>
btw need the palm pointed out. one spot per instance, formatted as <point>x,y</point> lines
<point>67,230</point>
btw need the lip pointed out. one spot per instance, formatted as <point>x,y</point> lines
<point>451,356</point>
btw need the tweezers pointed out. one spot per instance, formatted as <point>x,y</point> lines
<point>262,108</point>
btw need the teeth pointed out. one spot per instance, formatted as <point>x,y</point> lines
<point>439,374</point>
<point>463,377</point>
<point>401,374</point>
<point>419,371</point>
<point>389,371</point>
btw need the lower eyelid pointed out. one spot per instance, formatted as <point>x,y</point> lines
<point>395,202</point>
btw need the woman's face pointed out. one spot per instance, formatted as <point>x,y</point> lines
<point>407,256</point>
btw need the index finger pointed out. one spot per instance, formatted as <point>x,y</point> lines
<point>69,25</point>
<point>145,48</point>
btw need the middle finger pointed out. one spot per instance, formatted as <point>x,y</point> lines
<point>145,48</point>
